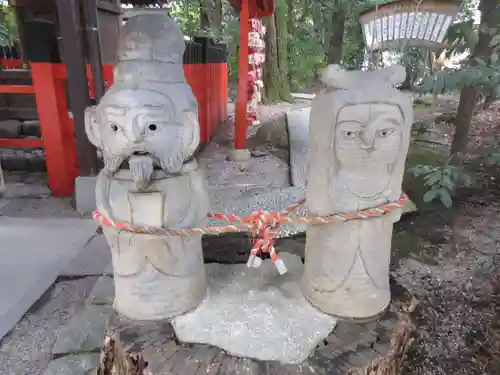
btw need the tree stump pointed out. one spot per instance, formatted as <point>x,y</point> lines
<point>133,348</point>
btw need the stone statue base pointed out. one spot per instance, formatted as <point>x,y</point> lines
<point>256,313</point>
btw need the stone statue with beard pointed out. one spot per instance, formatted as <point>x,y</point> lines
<point>146,127</point>
<point>358,140</point>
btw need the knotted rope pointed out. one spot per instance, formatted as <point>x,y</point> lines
<point>263,226</point>
<point>264,230</point>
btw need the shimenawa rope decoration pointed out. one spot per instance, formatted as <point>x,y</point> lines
<point>263,225</point>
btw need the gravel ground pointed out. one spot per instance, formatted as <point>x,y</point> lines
<point>26,350</point>
<point>449,260</point>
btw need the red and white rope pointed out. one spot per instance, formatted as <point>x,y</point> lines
<point>263,225</point>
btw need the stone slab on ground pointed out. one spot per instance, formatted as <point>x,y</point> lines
<point>91,260</point>
<point>80,364</point>
<point>84,332</point>
<point>256,313</point>
<point>103,292</point>
<point>32,252</point>
<point>298,134</point>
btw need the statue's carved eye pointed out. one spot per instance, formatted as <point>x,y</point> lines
<point>114,127</point>
<point>153,127</point>
<point>385,132</point>
<point>351,134</point>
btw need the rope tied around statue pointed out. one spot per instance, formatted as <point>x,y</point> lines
<point>263,226</point>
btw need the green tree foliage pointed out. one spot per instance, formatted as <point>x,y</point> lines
<point>307,35</point>
<point>310,39</point>
<point>8,25</point>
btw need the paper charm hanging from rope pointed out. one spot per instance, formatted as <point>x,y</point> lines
<point>409,23</point>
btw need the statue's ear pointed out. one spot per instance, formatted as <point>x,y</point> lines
<point>91,126</point>
<point>335,76</point>
<point>191,128</point>
<point>395,74</point>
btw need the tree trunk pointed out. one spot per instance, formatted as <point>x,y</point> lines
<point>317,16</point>
<point>280,17</point>
<point>354,32</point>
<point>490,17</point>
<point>290,25</point>
<point>211,16</point>
<point>217,21</point>
<point>276,86</point>
<point>204,17</point>
<point>463,120</point>
<point>336,42</point>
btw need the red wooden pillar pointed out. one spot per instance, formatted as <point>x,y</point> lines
<point>241,103</point>
<point>57,133</point>
<point>195,77</point>
<point>214,98</point>
<point>224,91</point>
<point>221,93</point>
<point>208,99</point>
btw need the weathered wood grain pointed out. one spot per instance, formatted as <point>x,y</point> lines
<point>133,348</point>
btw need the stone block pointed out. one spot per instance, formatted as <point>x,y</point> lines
<point>10,128</point>
<point>298,135</point>
<point>31,128</point>
<point>85,194</point>
<point>253,304</point>
<point>36,160</point>
<point>274,132</point>
<point>91,260</point>
<point>84,332</point>
<point>81,364</point>
<point>14,160</point>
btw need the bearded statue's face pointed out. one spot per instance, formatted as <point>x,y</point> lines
<point>141,130</point>
<point>367,144</point>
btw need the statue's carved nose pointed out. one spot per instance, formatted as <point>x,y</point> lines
<point>367,140</point>
<point>136,132</point>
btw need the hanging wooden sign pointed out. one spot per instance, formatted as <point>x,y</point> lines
<point>399,23</point>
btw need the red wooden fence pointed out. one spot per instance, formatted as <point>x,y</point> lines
<point>208,82</point>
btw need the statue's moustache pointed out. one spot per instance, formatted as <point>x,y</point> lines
<point>141,168</point>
